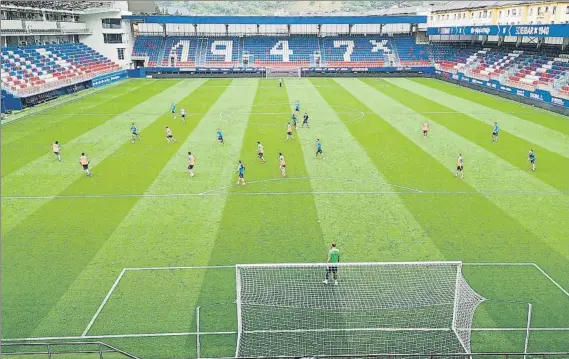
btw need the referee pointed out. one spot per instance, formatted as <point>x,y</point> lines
<point>333,258</point>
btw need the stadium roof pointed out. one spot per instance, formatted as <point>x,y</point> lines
<point>277,20</point>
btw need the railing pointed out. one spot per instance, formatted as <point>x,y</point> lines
<point>35,90</point>
<point>64,350</point>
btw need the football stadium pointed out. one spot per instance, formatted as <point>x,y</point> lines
<point>285,179</point>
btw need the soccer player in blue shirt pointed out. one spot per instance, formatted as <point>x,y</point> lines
<point>297,106</point>
<point>241,170</point>
<point>294,120</point>
<point>495,131</point>
<point>531,159</point>
<point>220,136</point>
<point>319,149</point>
<point>173,109</point>
<point>134,133</point>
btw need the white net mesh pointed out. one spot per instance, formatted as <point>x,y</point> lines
<point>287,310</point>
<point>273,72</point>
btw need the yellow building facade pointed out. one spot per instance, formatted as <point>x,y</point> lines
<point>523,13</point>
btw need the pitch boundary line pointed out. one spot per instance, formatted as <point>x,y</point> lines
<point>174,334</point>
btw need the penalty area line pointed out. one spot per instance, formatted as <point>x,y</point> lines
<point>115,284</point>
<point>544,273</point>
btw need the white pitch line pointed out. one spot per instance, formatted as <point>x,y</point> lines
<point>103,303</point>
<point>181,267</point>
<point>551,279</point>
<point>524,264</point>
<point>145,335</point>
<point>142,335</point>
<point>209,193</point>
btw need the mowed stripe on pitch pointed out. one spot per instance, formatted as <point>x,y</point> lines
<point>262,229</point>
<point>531,132</point>
<point>64,231</point>
<point>528,113</point>
<point>505,185</point>
<point>191,226</point>
<point>98,143</point>
<point>501,234</point>
<point>366,227</point>
<point>66,128</point>
<point>553,168</point>
<point>47,116</point>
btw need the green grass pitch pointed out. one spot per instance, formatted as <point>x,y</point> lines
<point>383,193</point>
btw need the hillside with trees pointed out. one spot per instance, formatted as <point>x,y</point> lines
<point>269,8</point>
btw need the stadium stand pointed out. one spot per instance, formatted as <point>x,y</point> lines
<point>410,53</point>
<point>211,51</point>
<point>367,51</point>
<point>267,51</point>
<point>158,50</point>
<point>33,69</point>
<point>517,67</point>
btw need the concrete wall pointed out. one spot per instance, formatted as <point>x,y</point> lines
<point>96,40</point>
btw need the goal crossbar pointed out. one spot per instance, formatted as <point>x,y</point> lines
<point>345,264</point>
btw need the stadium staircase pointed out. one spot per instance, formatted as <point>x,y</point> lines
<point>202,51</point>
<point>35,69</point>
<point>241,46</point>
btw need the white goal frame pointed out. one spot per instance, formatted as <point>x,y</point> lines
<point>460,281</point>
<point>278,72</point>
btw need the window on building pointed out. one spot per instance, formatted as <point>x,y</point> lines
<point>567,10</point>
<point>539,10</point>
<point>531,12</point>
<point>546,9</point>
<point>514,12</point>
<point>120,54</point>
<point>112,38</point>
<point>111,23</point>
<point>500,14</point>
<point>554,10</point>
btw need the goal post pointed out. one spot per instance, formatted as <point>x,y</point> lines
<point>276,72</point>
<point>398,307</point>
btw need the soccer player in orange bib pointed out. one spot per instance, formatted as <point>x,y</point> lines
<point>84,161</point>
<point>55,148</point>
<point>289,132</point>
<point>459,166</point>
<point>282,164</point>
<point>191,163</point>
<point>169,135</point>
<point>261,152</point>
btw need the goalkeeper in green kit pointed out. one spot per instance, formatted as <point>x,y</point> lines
<point>333,258</point>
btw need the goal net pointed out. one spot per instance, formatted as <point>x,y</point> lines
<point>274,72</point>
<point>415,307</point>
